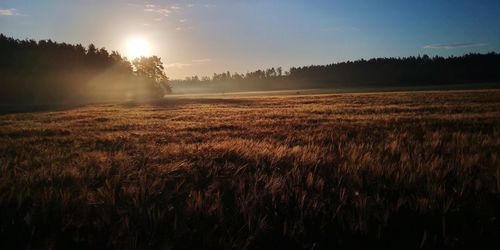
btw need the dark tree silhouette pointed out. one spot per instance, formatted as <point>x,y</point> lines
<point>152,68</point>
<point>47,72</point>
<point>379,72</point>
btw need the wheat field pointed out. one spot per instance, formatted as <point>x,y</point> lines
<point>400,170</point>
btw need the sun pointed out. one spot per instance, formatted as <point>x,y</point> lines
<point>137,47</point>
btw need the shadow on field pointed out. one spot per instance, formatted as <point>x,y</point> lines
<point>172,102</point>
<point>13,109</point>
<point>164,103</point>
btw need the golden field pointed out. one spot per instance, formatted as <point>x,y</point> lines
<point>400,170</point>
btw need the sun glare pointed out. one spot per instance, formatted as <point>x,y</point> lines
<point>137,47</point>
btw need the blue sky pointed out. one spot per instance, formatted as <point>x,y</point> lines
<point>206,36</point>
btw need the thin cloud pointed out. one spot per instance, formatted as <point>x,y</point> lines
<point>185,65</point>
<point>160,11</point>
<point>203,60</point>
<point>175,8</point>
<point>454,45</point>
<point>178,65</point>
<point>9,12</point>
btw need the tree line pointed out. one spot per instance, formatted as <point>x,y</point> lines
<point>47,72</point>
<point>379,72</point>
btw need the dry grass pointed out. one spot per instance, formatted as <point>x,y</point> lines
<point>393,170</point>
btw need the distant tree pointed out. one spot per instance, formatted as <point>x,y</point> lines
<point>91,49</point>
<point>152,68</point>
<point>270,73</point>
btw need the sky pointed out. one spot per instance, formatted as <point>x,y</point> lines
<point>200,37</point>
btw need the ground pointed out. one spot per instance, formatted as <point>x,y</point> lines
<point>395,170</point>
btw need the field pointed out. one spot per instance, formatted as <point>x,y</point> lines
<point>399,170</point>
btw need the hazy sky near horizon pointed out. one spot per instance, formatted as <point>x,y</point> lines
<point>206,36</point>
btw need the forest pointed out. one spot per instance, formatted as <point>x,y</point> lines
<point>380,72</point>
<point>47,72</point>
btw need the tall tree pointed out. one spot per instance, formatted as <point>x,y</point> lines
<point>152,68</point>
